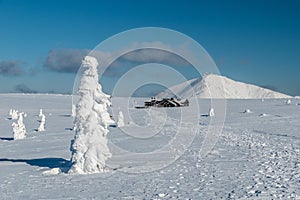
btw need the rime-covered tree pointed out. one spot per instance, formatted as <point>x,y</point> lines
<point>41,112</point>
<point>211,112</point>
<point>19,130</point>
<point>89,146</point>
<point>73,114</point>
<point>42,123</point>
<point>120,119</point>
<point>14,114</point>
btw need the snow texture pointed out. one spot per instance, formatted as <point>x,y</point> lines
<point>19,130</point>
<point>255,158</point>
<point>89,146</point>
<point>216,86</point>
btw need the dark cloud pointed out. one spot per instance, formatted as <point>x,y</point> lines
<point>69,60</point>
<point>151,55</point>
<point>65,60</point>
<point>144,56</point>
<point>10,68</point>
<point>24,88</point>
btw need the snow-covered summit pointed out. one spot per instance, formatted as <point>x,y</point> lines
<point>216,86</point>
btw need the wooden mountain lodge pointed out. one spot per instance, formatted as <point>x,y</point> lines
<point>166,102</point>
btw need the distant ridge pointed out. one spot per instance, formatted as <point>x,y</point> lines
<point>216,86</point>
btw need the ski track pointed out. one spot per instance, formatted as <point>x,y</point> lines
<point>254,158</point>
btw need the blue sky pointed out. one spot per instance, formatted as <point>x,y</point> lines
<point>251,41</point>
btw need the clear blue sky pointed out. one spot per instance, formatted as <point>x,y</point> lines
<point>252,41</point>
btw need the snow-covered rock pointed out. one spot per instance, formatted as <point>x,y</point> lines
<point>216,86</point>
<point>19,130</point>
<point>89,146</point>
<point>53,171</point>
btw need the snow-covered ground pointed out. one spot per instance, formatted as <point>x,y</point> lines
<point>256,157</point>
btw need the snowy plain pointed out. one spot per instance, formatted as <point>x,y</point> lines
<point>256,157</point>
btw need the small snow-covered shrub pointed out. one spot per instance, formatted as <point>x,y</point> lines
<point>42,123</point>
<point>288,102</point>
<point>41,112</point>
<point>263,115</point>
<point>247,111</point>
<point>19,130</point>
<point>14,114</point>
<point>89,146</point>
<point>211,112</point>
<point>73,110</point>
<point>120,119</point>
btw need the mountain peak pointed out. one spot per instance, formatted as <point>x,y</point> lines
<point>217,86</point>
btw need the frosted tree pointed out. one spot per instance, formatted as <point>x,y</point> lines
<point>247,111</point>
<point>19,130</point>
<point>73,110</point>
<point>42,123</point>
<point>120,119</point>
<point>211,112</point>
<point>41,112</point>
<point>89,146</point>
<point>10,113</point>
<point>14,114</point>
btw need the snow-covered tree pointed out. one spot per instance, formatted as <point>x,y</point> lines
<point>41,112</point>
<point>42,123</point>
<point>247,111</point>
<point>14,114</point>
<point>288,102</point>
<point>211,112</point>
<point>10,113</point>
<point>120,119</point>
<point>89,146</point>
<point>19,130</point>
<point>73,110</point>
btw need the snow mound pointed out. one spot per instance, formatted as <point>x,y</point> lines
<point>216,86</point>
<point>54,171</point>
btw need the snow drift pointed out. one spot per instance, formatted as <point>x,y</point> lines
<point>216,86</point>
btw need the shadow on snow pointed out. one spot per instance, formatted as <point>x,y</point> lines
<point>6,139</point>
<point>61,163</point>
